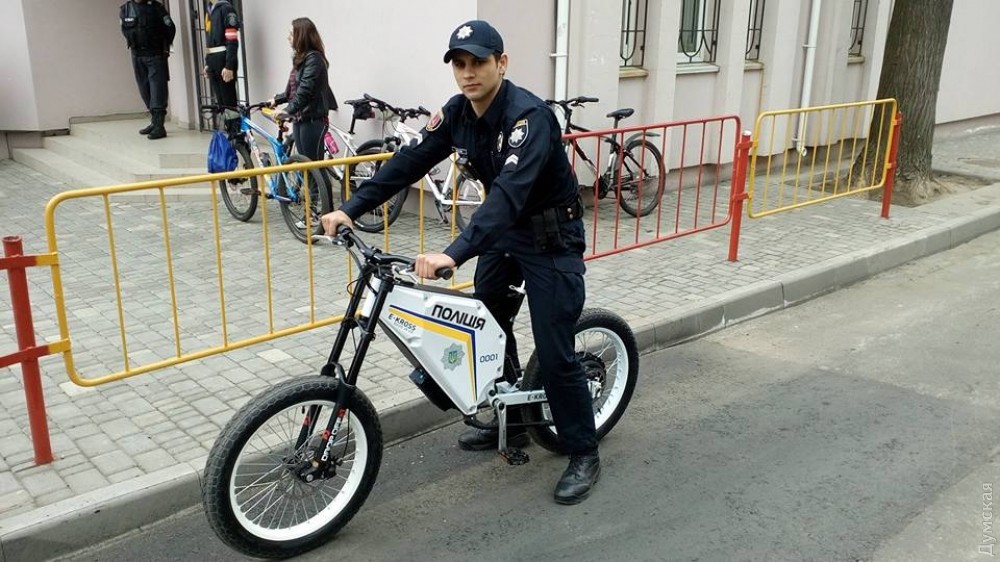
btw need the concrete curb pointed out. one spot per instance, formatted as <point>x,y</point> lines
<point>91,518</point>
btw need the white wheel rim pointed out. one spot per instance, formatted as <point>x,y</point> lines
<point>259,494</point>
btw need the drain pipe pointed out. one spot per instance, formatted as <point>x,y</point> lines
<point>562,53</point>
<point>807,73</point>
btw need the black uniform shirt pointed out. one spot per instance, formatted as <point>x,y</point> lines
<point>223,30</point>
<point>147,27</point>
<point>515,149</point>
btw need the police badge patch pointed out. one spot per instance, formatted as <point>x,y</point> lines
<point>435,121</point>
<point>518,134</point>
<point>452,357</point>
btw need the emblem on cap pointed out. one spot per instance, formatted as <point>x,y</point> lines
<point>464,32</point>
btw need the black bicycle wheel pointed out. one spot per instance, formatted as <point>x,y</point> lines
<point>240,194</point>
<point>253,494</point>
<point>469,197</point>
<point>609,354</point>
<point>375,220</point>
<point>640,177</point>
<point>292,185</point>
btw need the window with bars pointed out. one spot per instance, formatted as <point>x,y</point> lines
<point>755,28</point>
<point>699,31</point>
<point>633,39</point>
<point>858,27</point>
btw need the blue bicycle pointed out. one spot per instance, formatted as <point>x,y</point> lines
<point>289,188</point>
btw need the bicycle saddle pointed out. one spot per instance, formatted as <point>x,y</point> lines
<point>621,113</point>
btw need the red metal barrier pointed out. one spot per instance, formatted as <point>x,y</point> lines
<point>890,178</point>
<point>651,183</point>
<point>15,262</point>
<point>740,163</point>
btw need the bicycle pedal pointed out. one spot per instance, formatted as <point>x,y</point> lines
<point>514,456</point>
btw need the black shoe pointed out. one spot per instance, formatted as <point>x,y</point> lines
<point>146,130</point>
<point>157,133</point>
<point>578,480</point>
<point>483,439</point>
<point>157,119</point>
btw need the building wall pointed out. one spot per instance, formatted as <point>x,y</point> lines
<point>19,112</point>
<point>79,62</point>
<point>970,75</point>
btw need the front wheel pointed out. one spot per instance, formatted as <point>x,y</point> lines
<point>302,219</point>
<point>609,355</point>
<point>640,178</point>
<point>255,496</point>
<point>240,194</point>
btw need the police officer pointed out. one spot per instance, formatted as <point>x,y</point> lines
<point>149,32</point>
<point>528,228</point>
<point>222,26</point>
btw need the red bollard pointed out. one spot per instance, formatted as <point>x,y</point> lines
<point>740,165</point>
<point>890,180</point>
<point>21,305</point>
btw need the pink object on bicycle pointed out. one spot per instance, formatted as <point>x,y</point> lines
<point>331,143</point>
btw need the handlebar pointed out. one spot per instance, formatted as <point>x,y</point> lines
<point>404,113</point>
<point>348,238</point>
<point>242,109</point>
<point>574,102</point>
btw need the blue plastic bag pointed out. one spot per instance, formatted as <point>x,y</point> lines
<point>221,154</point>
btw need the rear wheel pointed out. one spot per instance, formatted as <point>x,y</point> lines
<point>240,194</point>
<point>640,178</point>
<point>607,350</point>
<point>377,219</point>
<point>302,219</point>
<point>256,494</point>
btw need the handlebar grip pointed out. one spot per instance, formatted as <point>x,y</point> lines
<point>423,111</point>
<point>585,99</point>
<point>444,273</point>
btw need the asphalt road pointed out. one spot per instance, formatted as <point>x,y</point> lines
<point>862,425</point>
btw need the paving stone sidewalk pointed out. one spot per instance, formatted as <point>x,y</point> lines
<point>122,439</point>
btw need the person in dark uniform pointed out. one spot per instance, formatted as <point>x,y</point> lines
<point>222,26</point>
<point>149,32</point>
<point>528,228</point>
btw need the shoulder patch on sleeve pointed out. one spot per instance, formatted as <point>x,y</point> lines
<point>518,134</point>
<point>232,20</point>
<point>435,121</point>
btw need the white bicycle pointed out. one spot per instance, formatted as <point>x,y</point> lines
<point>456,195</point>
<point>297,462</point>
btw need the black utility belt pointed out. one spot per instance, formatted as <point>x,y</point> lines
<point>545,229</point>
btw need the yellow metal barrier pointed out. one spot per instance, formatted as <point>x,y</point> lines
<point>281,273</point>
<point>805,156</point>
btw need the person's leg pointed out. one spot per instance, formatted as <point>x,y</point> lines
<point>555,300</point>
<point>496,272</point>
<point>157,72</point>
<point>142,81</point>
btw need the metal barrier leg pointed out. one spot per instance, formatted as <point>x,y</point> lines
<point>890,179</point>
<point>25,330</point>
<point>740,163</point>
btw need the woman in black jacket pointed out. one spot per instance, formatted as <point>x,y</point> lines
<point>307,93</point>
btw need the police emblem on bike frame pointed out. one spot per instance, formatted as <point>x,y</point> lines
<point>452,357</point>
<point>435,121</point>
<point>518,134</point>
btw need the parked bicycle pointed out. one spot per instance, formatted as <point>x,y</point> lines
<point>297,462</point>
<point>460,179</point>
<point>289,188</point>
<point>635,168</point>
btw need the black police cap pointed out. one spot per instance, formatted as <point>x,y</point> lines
<point>476,37</point>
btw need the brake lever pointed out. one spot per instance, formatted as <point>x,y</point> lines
<point>406,271</point>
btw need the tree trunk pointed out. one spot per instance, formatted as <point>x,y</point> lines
<point>911,73</point>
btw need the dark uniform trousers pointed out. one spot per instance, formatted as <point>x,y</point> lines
<point>225,92</point>
<point>555,301</point>
<point>151,75</point>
